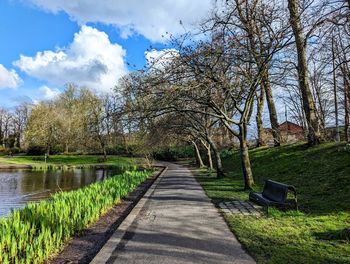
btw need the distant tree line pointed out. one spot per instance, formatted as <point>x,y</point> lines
<point>76,121</point>
<point>13,126</point>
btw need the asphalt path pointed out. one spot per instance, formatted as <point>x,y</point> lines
<point>175,222</point>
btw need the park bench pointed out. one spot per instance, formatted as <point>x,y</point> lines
<point>275,194</point>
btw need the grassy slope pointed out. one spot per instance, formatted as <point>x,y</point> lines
<point>315,235</point>
<point>66,159</point>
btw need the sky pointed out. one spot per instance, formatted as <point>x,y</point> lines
<point>45,44</point>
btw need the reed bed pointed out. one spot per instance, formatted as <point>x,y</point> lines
<point>41,229</point>
<point>45,167</point>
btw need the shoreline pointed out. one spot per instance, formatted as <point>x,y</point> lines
<point>84,247</point>
<point>54,166</point>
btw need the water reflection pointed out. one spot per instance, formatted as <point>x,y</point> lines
<point>18,187</point>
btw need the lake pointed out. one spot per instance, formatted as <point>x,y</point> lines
<point>20,186</point>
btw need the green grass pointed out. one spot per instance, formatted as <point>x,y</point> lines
<point>67,160</point>
<point>31,235</point>
<point>320,232</point>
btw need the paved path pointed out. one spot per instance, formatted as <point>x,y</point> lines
<point>175,223</point>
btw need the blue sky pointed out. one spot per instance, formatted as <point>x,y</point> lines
<point>47,43</point>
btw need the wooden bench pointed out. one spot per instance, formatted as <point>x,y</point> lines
<point>275,194</point>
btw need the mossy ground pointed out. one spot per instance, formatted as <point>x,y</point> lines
<point>319,232</point>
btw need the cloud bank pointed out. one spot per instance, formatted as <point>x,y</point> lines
<point>152,19</point>
<point>91,60</point>
<point>9,78</point>
<point>49,93</point>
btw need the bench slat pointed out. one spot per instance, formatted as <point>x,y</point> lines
<point>274,193</point>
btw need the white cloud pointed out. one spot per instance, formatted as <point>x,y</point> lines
<point>151,19</point>
<point>91,60</point>
<point>9,78</point>
<point>160,58</point>
<point>49,93</point>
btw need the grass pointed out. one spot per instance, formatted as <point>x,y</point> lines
<point>320,232</point>
<point>34,233</point>
<point>72,160</point>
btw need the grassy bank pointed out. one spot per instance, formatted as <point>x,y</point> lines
<point>320,232</point>
<point>72,160</point>
<point>31,235</point>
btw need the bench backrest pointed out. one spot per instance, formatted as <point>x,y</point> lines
<point>275,191</point>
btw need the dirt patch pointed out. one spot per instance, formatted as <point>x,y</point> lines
<point>83,248</point>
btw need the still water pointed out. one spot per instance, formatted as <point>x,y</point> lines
<point>20,186</point>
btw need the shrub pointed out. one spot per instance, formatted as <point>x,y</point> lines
<point>121,150</point>
<point>226,153</point>
<point>174,153</point>
<point>13,150</point>
<point>40,229</point>
<point>347,147</point>
<point>37,150</point>
<point>74,153</point>
<point>2,150</point>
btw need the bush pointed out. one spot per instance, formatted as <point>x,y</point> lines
<point>74,153</point>
<point>2,150</point>
<point>174,153</point>
<point>36,150</point>
<point>41,150</point>
<point>347,147</point>
<point>12,151</point>
<point>121,150</point>
<point>40,229</point>
<point>227,153</point>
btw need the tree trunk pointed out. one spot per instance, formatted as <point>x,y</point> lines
<point>272,109</point>
<point>314,135</point>
<point>199,160</point>
<point>18,140</point>
<point>104,153</point>
<point>218,164</point>
<point>1,135</point>
<point>259,112</point>
<point>337,134</point>
<point>246,167</point>
<point>210,160</point>
<point>346,107</point>
<point>318,99</point>
<point>48,150</point>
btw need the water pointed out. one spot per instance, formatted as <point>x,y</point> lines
<point>20,186</point>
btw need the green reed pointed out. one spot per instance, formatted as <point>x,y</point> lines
<point>32,234</point>
<point>46,167</point>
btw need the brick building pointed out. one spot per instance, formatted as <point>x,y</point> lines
<point>290,133</point>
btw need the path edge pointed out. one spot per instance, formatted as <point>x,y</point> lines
<point>107,250</point>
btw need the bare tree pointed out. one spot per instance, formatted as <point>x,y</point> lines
<point>301,40</point>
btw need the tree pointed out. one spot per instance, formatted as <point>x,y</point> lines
<point>20,119</point>
<point>314,135</point>
<point>199,84</point>
<point>44,127</point>
<point>266,33</point>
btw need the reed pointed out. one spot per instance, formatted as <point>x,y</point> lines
<point>32,234</point>
<point>46,167</point>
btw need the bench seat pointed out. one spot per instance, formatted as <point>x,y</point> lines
<point>274,194</point>
<point>260,199</point>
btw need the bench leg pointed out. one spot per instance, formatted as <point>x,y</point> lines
<point>267,210</point>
